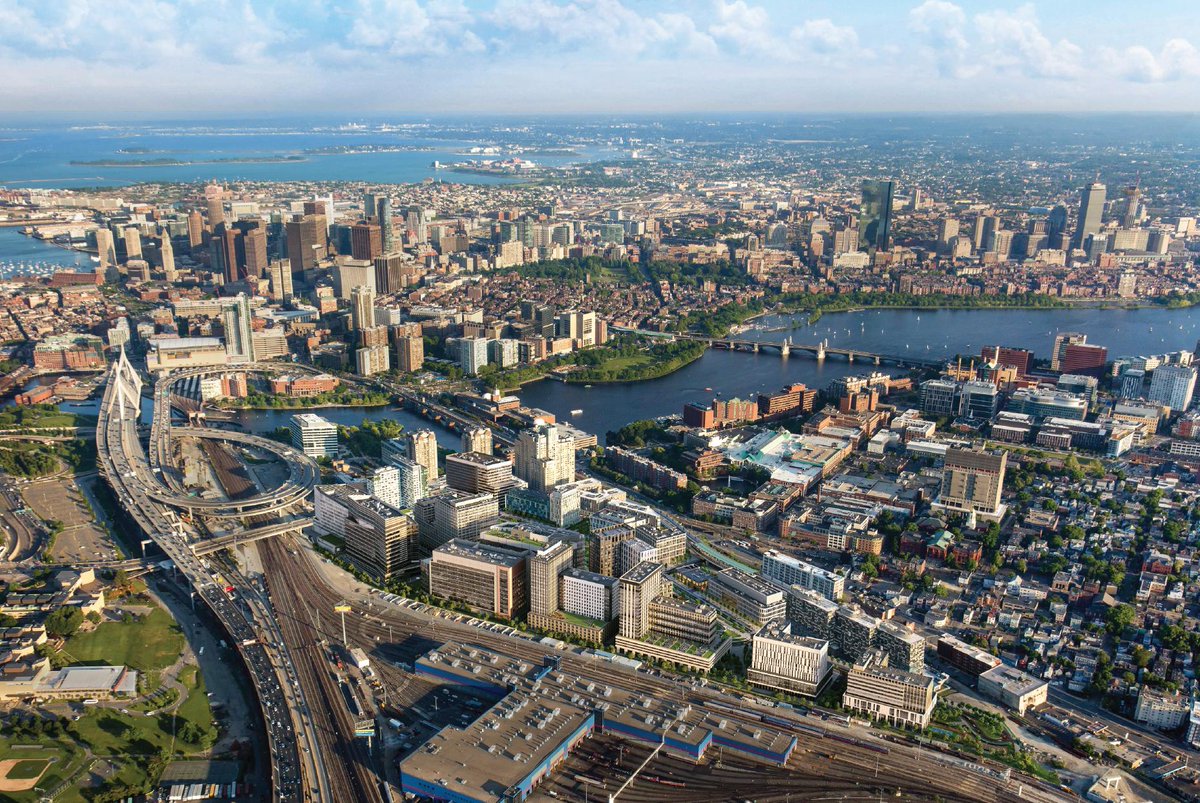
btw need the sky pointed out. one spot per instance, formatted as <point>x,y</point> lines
<point>114,59</point>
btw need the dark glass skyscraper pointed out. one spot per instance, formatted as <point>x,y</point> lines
<point>1091,208</point>
<point>875,217</point>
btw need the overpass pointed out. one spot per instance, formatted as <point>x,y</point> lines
<point>248,536</point>
<point>123,463</point>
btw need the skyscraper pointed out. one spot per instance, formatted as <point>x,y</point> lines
<point>239,341</point>
<point>383,211</point>
<point>254,251</point>
<point>133,243</point>
<point>228,253</point>
<point>389,273</point>
<point>1056,223</point>
<point>545,457</point>
<point>1173,385</point>
<point>280,274</point>
<point>472,354</point>
<point>106,249</point>
<point>412,481</point>
<point>362,308</point>
<point>167,254</point>
<point>875,215</point>
<point>306,240</point>
<point>313,435</point>
<point>545,566</point>
<point>1133,201</point>
<point>972,482</point>
<point>1061,341</point>
<point>477,439</point>
<point>385,485</point>
<point>410,351</point>
<point>195,224</point>
<point>422,450</point>
<point>366,240</point>
<point>216,213</point>
<point>1091,208</point>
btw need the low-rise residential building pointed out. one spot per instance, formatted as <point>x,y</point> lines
<point>1016,689</point>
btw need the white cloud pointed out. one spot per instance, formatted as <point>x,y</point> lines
<point>941,26</point>
<point>746,27</point>
<point>824,38</point>
<point>1012,41</point>
<point>1179,59</point>
<point>410,28</point>
<point>603,24</point>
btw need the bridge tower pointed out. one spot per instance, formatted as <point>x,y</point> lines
<point>877,359</point>
<point>850,357</point>
<point>756,348</point>
<point>821,351</point>
<point>785,348</point>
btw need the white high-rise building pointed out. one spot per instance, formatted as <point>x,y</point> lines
<point>385,485</point>
<point>545,457</point>
<point>313,435</point>
<point>472,354</point>
<point>239,336</point>
<point>423,450</point>
<point>362,307</point>
<point>785,661</point>
<point>1173,385</point>
<point>789,571</point>
<point>412,481</point>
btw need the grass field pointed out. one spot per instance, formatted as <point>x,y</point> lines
<point>60,757</point>
<point>196,707</point>
<point>28,768</point>
<point>621,363</point>
<point>129,747</point>
<point>148,645</point>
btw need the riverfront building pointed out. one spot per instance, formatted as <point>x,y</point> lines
<point>313,435</point>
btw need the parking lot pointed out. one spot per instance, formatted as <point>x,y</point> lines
<point>81,539</point>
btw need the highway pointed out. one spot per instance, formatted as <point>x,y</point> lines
<point>166,488</point>
<point>123,463</point>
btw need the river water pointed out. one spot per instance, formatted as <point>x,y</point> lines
<point>924,333</point>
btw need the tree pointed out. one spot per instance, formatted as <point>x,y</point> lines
<point>1142,657</point>
<point>64,622</point>
<point>1118,618</point>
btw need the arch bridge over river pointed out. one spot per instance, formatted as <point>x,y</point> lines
<point>786,347</point>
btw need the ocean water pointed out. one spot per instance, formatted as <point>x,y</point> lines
<point>54,156</point>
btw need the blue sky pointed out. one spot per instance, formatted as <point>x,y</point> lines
<point>109,58</point>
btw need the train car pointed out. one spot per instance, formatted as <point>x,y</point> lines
<point>666,781</point>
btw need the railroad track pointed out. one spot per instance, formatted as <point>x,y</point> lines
<point>818,766</point>
<point>349,767</point>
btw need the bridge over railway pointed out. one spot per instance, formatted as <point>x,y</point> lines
<point>247,536</point>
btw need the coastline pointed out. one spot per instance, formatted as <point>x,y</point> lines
<point>815,315</point>
<point>644,378</point>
